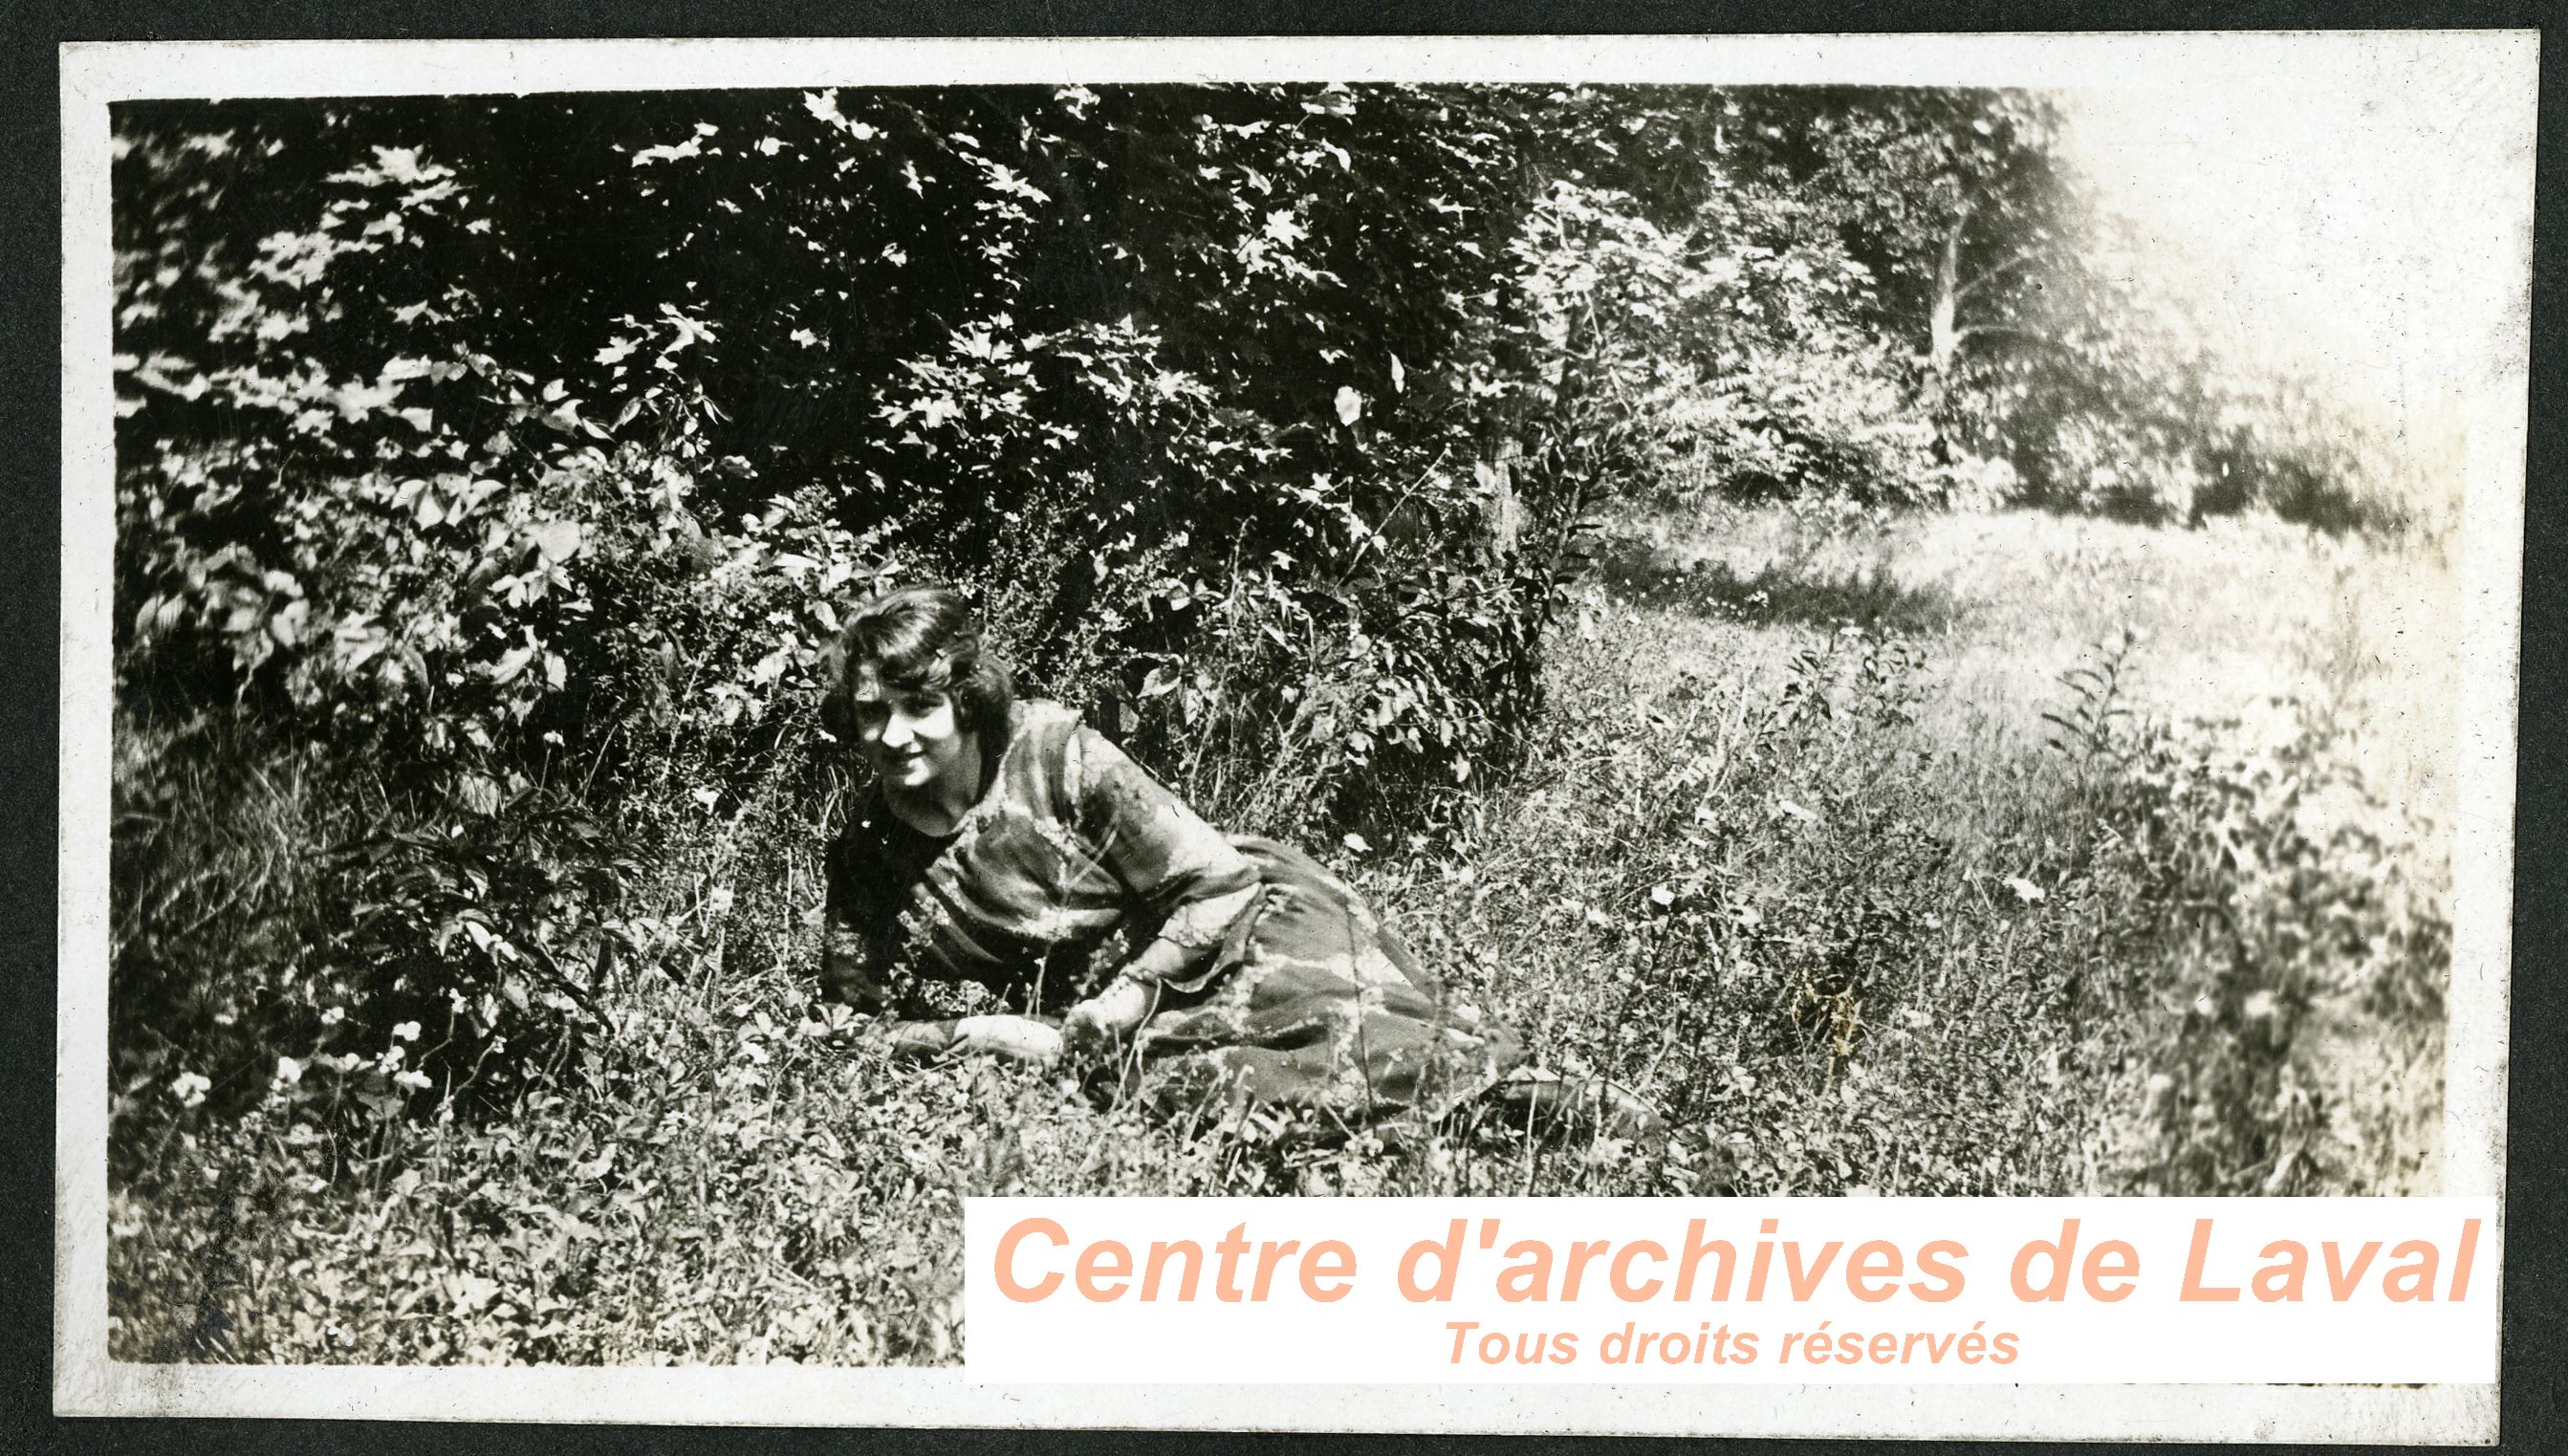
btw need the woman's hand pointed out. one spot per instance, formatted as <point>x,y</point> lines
<point>1099,1022</point>
<point>918,1040</point>
<point>1021,1038</point>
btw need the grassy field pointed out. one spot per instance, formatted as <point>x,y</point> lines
<point>2250,635</point>
<point>1795,851</point>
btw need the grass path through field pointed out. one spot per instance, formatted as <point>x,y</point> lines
<point>2243,609</point>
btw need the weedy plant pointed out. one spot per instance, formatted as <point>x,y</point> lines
<point>2303,907</point>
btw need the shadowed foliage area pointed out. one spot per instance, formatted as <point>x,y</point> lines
<point>1869,595</point>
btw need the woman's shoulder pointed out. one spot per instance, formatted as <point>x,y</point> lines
<point>1042,764</point>
<point>1042,720</point>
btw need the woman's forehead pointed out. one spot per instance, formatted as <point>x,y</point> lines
<point>867,684</point>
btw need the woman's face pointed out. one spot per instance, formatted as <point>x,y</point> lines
<point>911,736</point>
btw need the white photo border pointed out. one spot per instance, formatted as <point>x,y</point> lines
<point>2495,69</point>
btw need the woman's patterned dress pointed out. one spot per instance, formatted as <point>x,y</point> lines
<point>1073,859</point>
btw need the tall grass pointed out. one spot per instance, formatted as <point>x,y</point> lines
<point>1794,854</point>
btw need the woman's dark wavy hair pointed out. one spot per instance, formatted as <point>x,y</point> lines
<point>922,638</point>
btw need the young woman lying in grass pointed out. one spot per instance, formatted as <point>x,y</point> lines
<point>1016,885</point>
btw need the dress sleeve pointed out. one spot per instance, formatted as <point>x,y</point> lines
<point>1167,856</point>
<point>856,931</point>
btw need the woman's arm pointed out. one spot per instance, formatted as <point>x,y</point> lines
<point>1021,1038</point>
<point>851,943</point>
<point>1199,929</point>
<point>1201,887</point>
<point>851,956</point>
<point>1172,861</point>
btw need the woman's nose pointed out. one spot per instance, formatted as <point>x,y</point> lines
<point>896,732</point>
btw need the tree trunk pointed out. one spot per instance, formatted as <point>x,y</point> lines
<point>1503,514</point>
<point>1944,334</point>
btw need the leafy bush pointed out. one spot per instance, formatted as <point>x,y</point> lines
<point>439,453</point>
<point>2302,901</point>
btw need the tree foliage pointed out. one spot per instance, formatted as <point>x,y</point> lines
<point>516,454</point>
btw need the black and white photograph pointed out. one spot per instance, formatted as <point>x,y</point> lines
<point>682,674</point>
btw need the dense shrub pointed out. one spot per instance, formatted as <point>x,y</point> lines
<point>484,472</point>
<point>2302,900</point>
